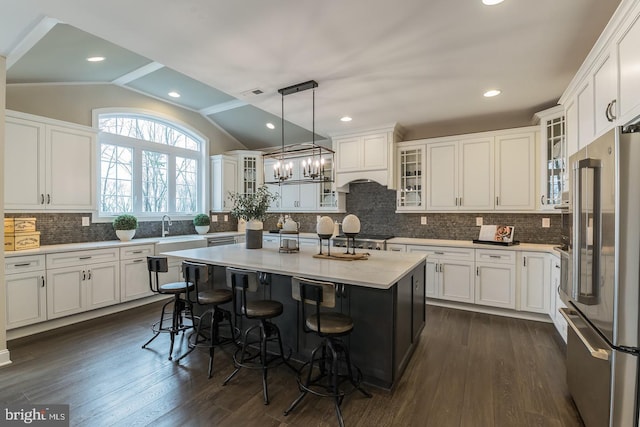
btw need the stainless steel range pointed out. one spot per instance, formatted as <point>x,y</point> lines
<point>377,242</point>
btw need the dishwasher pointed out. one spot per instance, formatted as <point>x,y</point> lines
<point>221,240</point>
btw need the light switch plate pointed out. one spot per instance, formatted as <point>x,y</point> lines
<point>546,222</point>
<point>226,218</point>
<point>85,221</point>
<point>478,221</point>
<point>214,218</point>
<point>423,220</point>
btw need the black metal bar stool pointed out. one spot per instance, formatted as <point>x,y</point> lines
<point>333,366</point>
<point>205,295</point>
<point>181,307</point>
<point>243,281</point>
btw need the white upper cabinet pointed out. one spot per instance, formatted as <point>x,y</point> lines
<point>629,61</point>
<point>553,158</point>
<point>48,164</point>
<point>476,177</point>
<point>605,88</point>
<point>411,183</point>
<point>366,155</point>
<point>586,119</point>
<point>442,176</point>
<point>224,180</point>
<point>515,183</point>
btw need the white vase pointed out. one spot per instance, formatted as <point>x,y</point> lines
<point>125,235</point>
<point>202,229</point>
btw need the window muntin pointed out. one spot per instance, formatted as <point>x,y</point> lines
<point>149,166</point>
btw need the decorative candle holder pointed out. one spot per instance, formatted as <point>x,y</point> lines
<point>324,228</point>
<point>351,228</point>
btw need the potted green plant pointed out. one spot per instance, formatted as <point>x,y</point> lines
<point>202,222</point>
<point>125,226</point>
<point>252,208</point>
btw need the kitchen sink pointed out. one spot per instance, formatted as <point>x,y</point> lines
<point>178,243</point>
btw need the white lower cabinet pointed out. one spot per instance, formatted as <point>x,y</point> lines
<point>534,282</point>
<point>449,272</point>
<point>495,282</point>
<point>26,291</point>
<point>134,275</point>
<point>555,303</point>
<point>81,281</point>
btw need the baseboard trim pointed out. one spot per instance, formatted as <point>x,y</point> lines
<point>80,317</point>
<point>538,317</point>
<point>5,358</point>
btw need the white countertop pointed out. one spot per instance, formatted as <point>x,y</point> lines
<point>533,247</point>
<point>382,270</point>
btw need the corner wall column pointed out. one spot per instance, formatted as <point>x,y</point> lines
<point>4,352</point>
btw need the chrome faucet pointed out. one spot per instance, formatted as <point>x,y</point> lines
<point>166,231</point>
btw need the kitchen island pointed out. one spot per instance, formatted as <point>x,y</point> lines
<point>383,294</point>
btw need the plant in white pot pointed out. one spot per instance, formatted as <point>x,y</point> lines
<point>125,226</point>
<point>252,208</point>
<point>202,222</point>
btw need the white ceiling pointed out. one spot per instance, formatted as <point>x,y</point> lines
<point>411,62</point>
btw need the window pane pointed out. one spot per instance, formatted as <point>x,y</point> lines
<point>155,189</point>
<point>147,129</point>
<point>115,179</point>
<point>186,185</point>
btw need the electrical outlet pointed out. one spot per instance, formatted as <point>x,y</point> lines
<point>546,222</point>
<point>85,221</point>
<point>226,218</point>
<point>478,221</point>
<point>214,218</point>
<point>423,220</point>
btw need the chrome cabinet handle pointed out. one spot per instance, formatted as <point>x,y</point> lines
<point>26,264</point>
<point>460,201</point>
<point>136,252</point>
<point>524,261</point>
<point>84,275</point>
<point>42,280</point>
<point>613,116</point>
<point>89,275</point>
<point>48,199</point>
<point>42,199</point>
<point>477,271</point>
<point>138,260</point>
<point>497,200</point>
<point>609,111</point>
<point>495,256</point>
<point>85,257</point>
<point>542,200</point>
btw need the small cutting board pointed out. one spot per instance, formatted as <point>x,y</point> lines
<point>343,256</point>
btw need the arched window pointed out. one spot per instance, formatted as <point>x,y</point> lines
<point>149,165</point>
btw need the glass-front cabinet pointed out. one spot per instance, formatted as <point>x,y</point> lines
<point>554,174</point>
<point>411,177</point>
<point>250,169</point>
<point>327,193</point>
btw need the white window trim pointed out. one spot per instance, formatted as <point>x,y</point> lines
<point>203,170</point>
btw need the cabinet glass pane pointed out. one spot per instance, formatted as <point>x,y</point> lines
<point>411,169</point>
<point>556,152</point>
<point>249,177</point>
<point>327,193</point>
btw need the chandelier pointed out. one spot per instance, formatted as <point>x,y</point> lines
<point>299,163</point>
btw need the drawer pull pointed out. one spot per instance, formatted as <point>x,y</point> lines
<point>495,256</point>
<point>85,257</point>
<point>439,253</point>
<point>25,264</point>
<point>136,252</point>
<point>138,260</point>
<point>42,279</point>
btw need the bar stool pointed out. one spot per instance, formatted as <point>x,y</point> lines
<point>203,294</point>
<point>243,281</point>
<point>181,307</point>
<point>334,363</point>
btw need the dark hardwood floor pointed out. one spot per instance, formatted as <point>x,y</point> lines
<point>470,369</point>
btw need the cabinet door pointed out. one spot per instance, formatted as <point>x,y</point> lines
<point>411,178</point>
<point>456,280</point>
<point>586,127</point>
<point>26,298</point>
<point>442,178</point>
<point>534,282</point>
<point>70,168</point>
<point>515,171</point>
<point>629,58</point>
<point>419,308</point>
<point>476,176</point>
<point>605,82</point>
<point>495,285</point>
<point>65,291</point>
<point>374,152</point>
<point>224,175</point>
<point>553,152</point>
<point>134,280</point>
<point>24,164</point>
<point>432,278</point>
<point>571,115</point>
<point>349,154</point>
<point>103,285</point>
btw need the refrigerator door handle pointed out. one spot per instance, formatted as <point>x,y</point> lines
<point>593,296</point>
<point>598,353</point>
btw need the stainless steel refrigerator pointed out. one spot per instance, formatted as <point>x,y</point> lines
<point>602,286</point>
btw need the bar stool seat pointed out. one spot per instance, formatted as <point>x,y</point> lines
<point>263,309</point>
<point>181,307</point>
<point>330,323</point>
<point>215,296</point>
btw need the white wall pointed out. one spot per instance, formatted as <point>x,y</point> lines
<point>74,103</point>
<point>4,352</point>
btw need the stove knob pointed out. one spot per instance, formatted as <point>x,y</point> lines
<point>378,248</point>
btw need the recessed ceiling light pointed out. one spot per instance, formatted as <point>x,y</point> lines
<point>174,94</point>
<point>492,93</point>
<point>271,126</point>
<point>95,58</point>
<point>492,2</point>
<point>345,119</point>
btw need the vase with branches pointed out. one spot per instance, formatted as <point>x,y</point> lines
<point>252,208</point>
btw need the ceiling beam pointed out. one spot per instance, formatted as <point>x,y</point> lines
<point>138,73</point>
<point>225,106</point>
<point>35,35</point>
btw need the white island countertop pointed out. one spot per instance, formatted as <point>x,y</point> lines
<point>381,271</point>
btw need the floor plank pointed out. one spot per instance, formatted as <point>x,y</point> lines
<point>469,369</point>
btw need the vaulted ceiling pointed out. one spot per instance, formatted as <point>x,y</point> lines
<point>412,62</point>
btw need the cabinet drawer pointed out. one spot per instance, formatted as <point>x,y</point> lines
<point>23,264</point>
<point>497,257</point>
<point>131,252</point>
<point>66,259</point>
<point>443,252</point>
